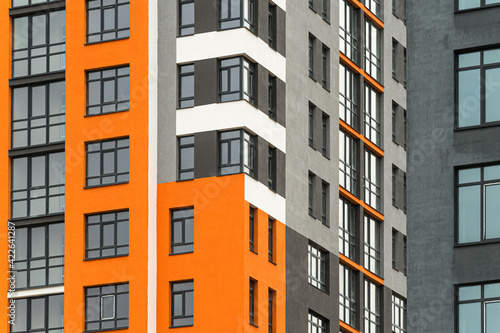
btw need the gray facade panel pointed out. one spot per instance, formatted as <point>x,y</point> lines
<point>262,147</point>
<point>206,154</point>
<point>206,16</point>
<point>261,29</point>
<point>281,31</point>
<point>475,264</point>
<point>206,82</point>
<point>281,102</point>
<point>280,173</point>
<point>261,93</point>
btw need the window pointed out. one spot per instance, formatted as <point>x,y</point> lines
<point>398,314</point>
<point>39,256</point>
<point>107,234</point>
<point>478,209</point>
<point>312,41</point>
<point>39,43</point>
<point>405,256</point>
<point>237,153</point>
<point>347,295</point>
<point>107,20</point>
<point>182,303</point>
<point>325,189</point>
<point>348,162</point>
<point>271,168</point>
<point>477,89</point>
<point>347,229</point>
<point>271,97</point>
<point>271,26</point>
<point>38,115</point>
<point>270,307</point>
<point>349,30</point>
<point>371,311</point>
<point>186,157</point>
<point>237,14</point>
<point>371,247</point>
<point>372,115</point>
<point>186,86</point>
<point>236,80</point>
<point>182,235</point>
<point>325,134</point>
<point>270,239</point>
<point>372,50</point>
<point>106,307</point>
<point>107,162</point>
<point>316,323</point>
<point>317,262</point>
<point>478,308</point>
<point>372,179</point>
<point>311,125</point>
<point>311,4</point>
<point>37,185</point>
<point>468,4</point>
<point>325,68</point>
<point>394,58</point>
<point>252,228</point>
<point>311,193</point>
<point>39,314</point>
<point>325,4</point>
<point>348,97</point>
<point>252,301</point>
<point>186,17</point>
<point>394,252</point>
<point>373,6</point>
<point>108,90</point>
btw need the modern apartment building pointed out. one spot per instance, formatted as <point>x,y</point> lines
<point>203,166</point>
<point>453,163</point>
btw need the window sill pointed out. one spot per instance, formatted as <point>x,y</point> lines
<point>484,242</point>
<point>254,252</point>
<point>104,113</point>
<point>322,290</point>
<point>109,257</point>
<point>485,125</point>
<point>272,262</point>
<point>23,221</point>
<point>37,78</point>
<point>107,329</point>
<point>176,254</point>
<point>39,287</point>
<point>98,186</point>
<point>254,325</point>
<point>459,11</point>
<point>181,326</point>
<point>106,41</point>
<point>38,149</point>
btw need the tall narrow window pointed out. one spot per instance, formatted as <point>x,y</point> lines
<point>252,301</point>
<point>325,134</point>
<point>236,80</point>
<point>347,296</point>
<point>371,247</point>
<point>372,50</point>
<point>405,256</point>
<point>325,4</point>
<point>108,90</point>
<point>182,235</point>
<point>270,238</point>
<point>372,179</point>
<point>271,168</point>
<point>237,153</point>
<point>271,97</point>
<point>107,307</point>
<point>107,234</point>
<point>325,68</point>
<point>270,307</point>
<point>311,56</point>
<point>311,194</point>
<point>186,157</point>
<point>348,96</point>
<point>311,125</point>
<point>182,303</point>
<point>394,252</point>
<point>317,263</point>
<point>325,188</point>
<point>348,30</point>
<point>252,229</point>
<point>186,86</point>
<point>186,17</point>
<point>372,115</point>
<point>373,6</point>
<point>271,26</point>
<point>348,162</point>
<point>347,231</point>
<point>38,114</point>
<point>371,312</point>
<point>398,314</point>
<point>107,20</point>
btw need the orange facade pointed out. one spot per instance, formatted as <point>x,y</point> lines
<point>222,264</point>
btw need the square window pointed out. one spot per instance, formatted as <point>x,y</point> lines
<point>182,235</point>
<point>107,162</point>
<point>236,80</point>
<point>237,153</point>
<point>107,20</point>
<point>107,234</point>
<point>186,157</point>
<point>182,303</point>
<point>106,307</point>
<point>318,267</point>
<point>108,90</point>
<point>237,14</point>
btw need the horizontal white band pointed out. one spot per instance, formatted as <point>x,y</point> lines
<point>260,196</point>
<point>36,292</point>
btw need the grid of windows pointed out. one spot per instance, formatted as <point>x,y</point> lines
<point>107,234</point>
<point>182,235</point>
<point>372,50</point>
<point>477,204</point>
<point>237,153</point>
<point>107,20</point>
<point>37,185</point>
<point>107,162</point>
<point>372,179</point>
<point>186,86</point>
<point>39,256</point>
<point>106,307</point>
<point>348,96</point>
<point>316,323</point>
<point>108,90</point>
<point>38,114</point>
<point>347,229</point>
<point>371,313</point>
<point>372,115</point>
<point>186,17</point>
<point>182,303</point>
<point>398,314</point>
<point>371,247</point>
<point>478,308</point>
<point>39,43</point>
<point>186,157</point>
<point>39,314</point>
<point>348,30</point>
<point>469,4</point>
<point>478,92</point>
<point>237,14</point>
<point>317,263</point>
<point>348,151</point>
<point>347,296</point>
<point>236,80</point>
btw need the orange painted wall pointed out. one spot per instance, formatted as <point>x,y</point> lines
<point>221,264</point>
<point>5,70</point>
<point>134,195</point>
